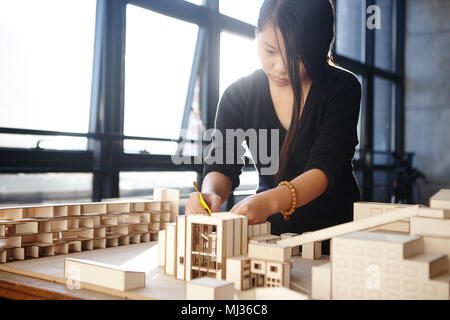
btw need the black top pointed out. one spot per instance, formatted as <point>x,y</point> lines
<point>326,140</point>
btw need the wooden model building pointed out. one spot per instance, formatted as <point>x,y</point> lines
<point>47,230</point>
<point>389,251</point>
<point>216,246</point>
<point>199,245</point>
<point>389,263</point>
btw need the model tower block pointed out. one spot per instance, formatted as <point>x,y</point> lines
<point>367,265</point>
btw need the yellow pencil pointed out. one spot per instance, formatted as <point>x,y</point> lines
<point>202,201</point>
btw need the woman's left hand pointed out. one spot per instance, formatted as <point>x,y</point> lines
<point>256,207</point>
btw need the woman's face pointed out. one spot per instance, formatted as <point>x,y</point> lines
<point>272,54</point>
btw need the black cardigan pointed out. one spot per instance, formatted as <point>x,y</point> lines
<point>326,140</point>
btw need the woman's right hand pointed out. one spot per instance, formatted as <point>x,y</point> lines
<point>193,205</point>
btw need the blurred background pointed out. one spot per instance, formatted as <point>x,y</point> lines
<point>97,95</point>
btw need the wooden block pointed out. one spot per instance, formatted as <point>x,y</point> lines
<point>99,232</point>
<point>138,228</point>
<point>73,224</point>
<point>145,237</point>
<point>2,230</point>
<point>238,272</point>
<point>256,230</point>
<point>74,245</point>
<point>244,235</point>
<point>209,289</point>
<point>112,242</point>
<point>295,250</point>
<point>94,208</point>
<point>38,212</point>
<point>12,242</point>
<point>120,230</point>
<point>153,235</point>
<point>59,225</point>
<point>2,256</point>
<point>367,265</point>
<point>434,213</point>
<point>135,239</point>
<point>99,243</point>
<point>363,224</point>
<point>118,207</point>
<point>153,205</point>
<point>27,227</point>
<point>37,238</point>
<point>426,265</point>
<point>265,239</point>
<point>108,221</point>
<point>145,217</point>
<point>436,245</point>
<point>44,226</point>
<point>124,240</point>
<point>18,253</point>
<point>86,233</point>
<point>256,251</point>
<point>162,248</point>
<point>165,216</point>
<point>60,211</point>
<point>32,251</point>
<point>269,251</point>
<point>399,246</point>
<point>277,252</point>
<point>154,226</point>
<point>362,210</point>
<point>73,210</point>
<point>312,251</point>
<point>138,207</point>
<point>96,221</point>
<point>237,237</point>
<point>372,209</point>
<point>321,282</point>
<point>172,195</point>
<point>441,200</point>
<point>398,226</point>
<point>250,231</point>
<point>86,222</point>
<point>423,226</point>
<point>171,249</point>
<point>228,238</point>
<point>155,216</point>
<point>104,275</point>
<point>62,248</point>
<point>181,247</point>
<point>11,213</point>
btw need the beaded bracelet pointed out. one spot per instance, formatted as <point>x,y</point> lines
<point>287,213</point>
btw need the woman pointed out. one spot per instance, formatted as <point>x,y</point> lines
<point>314,105</point>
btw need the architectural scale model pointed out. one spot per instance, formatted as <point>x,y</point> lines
<point>389,251</point>
<point>47,230</point>
<point>387,263</point>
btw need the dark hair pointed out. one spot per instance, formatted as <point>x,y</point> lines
<point>307,28</point>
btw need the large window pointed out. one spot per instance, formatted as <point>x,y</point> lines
<point>246,11</point>
<point>350,31</point>
<point>46,69</point>
<point>238,58</point>
<point>97,93</point>
<point>159,55</point>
